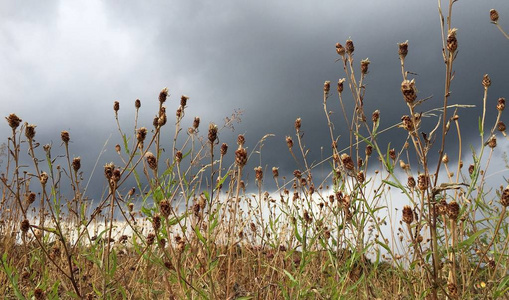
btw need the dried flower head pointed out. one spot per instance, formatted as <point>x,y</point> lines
<point>130,207</point>
<point>504,199</point>
<point>65,137</point>
<point>163,95</point>
<point>150,238</point>
<point>452,42</point>
<point>297,174</point>
<point>25,226</point>
<point>224,149</point>
<point>364,66</point>
<point>326,87</point>
<point>492,142</point>
<point>13,121</point>
<point>156,222</point>
<point>212,133</point>
<point>164,208</point>
<point>76,163</point>
<point>30,131</point>
<point>375,117</point>
<point>108,170</point>
<point>151,160</point>
<point>392,154</point>
<point>31,198</point>
<point>141,134</point>
<point>340,49</point>
<point>340,85</point>
<point>445,159</point>
<point>409,90</point>
<point>116,175</point>
<point>453,210</point>
<point>403,50</point>
<point>411,182</point>
<point>501,104</point>
<point>116,106</point>
<point>349,47</point>
<point>408,214</point>
<point>43,178</point>
<point>347,161</point>
<point>137,103</point>
<point>423,182</point>
<point>361,177</point>
<point>241,157</point>
<point>407,123</point>
<point>471,169</point>
<point>486,81</point>
<point>162,119</point>
<point>493,15</point>
<point>118,148</point>
<point>196,122</point>
<point>501,126</point>
<point>183,100</point>
<point>258,173</point>
<point>298,123</point>
<point>178,156</point>
<point>289,142</point>
<point>369,150</point>
<point>241,140</point>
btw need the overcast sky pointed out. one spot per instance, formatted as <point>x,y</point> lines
<point>63,63</point>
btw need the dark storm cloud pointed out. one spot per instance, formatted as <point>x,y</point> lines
<point>64,68</point>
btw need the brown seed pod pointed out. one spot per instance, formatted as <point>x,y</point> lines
<point>492,142</point>
<point>156,222</point>
<point>241,140</point>
<point>349,47</point>
<point>493,15</point>
<point>375,116</point>
<point>65,137</point>
<point>392,154</point>
<point>403,50</point>
<point>289,142</point>
<point>183,100</point>
<point>422,182</point>
<point>196,122</point>
<point>298,123</point>
<point>30,131</point>
<point>118,148</point>
<point>326,87</point>
<point>76,163</point>
<point>340,85</point>
<point>347,161</point>
<point>408,214</point>
<point>212,133</point>
<point>361,177</point>
<point>453,210</point>
<point>141,134</point>
<point>258,173</point>
<point>407,122</point>
<point>163,95</point>
<point>486,81</point>
<point>275,172</point>
<point>501,126</point>
<point>340,49</point>
<point>241,157</point>
<point>409,91</point>
<point>43,178</point>
<point>151,160</point>
<point>297,174</point>
<point>137,103</point>
<point>452,42</point>
<point>501,104</point>
<point>13,121</point>
<point>108,170</point>
<point>31,198</point>
<point>369,150</point>
<point>150,238</point>
<point>224,149</point>
<point>178,156</point>
<point>411,182</point>
<point>116,106</point>
<point>364,66</point>
<point>25,226</point>
<point>504,199</point>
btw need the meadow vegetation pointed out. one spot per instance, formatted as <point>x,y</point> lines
<point>193,227</point>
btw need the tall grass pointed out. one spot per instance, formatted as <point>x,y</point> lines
<point>193,227</point>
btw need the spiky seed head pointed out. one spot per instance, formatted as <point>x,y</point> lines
<point>258,173</point>
<point>403,50</point>
<point>349,47</point>
<point>486,81</point>
<point>25,226</point>
<point>501,104</point>
<point>137,103</point>
<point>76,163</point>
<point>364,66</point>
<point>212,133</point>
<point>141,134</point>
<point>30,131</point>
<point>183,100</point>
<point>65,137</point>
<point>151,160</point>
<point>289,142</point>
<point>165,208</point>
<point>369,150</point>
<point>241,140</point>
<point>501,126</point>
<point>275,171</point>
<point>504,199</point>
<point>326,87</point>
<point>340,49</point>
<point>408,214</point>
<point>411,182</point>
<point>492,142</point>
<point>163,95</point>
<point>452,42</point>
<point>241,157</point>
<point>116,106</point>
<point>196,122</point>
<point>453,210</point>
<point>423,182</point>
<point>13,121</point>
<point>298,123</point>
<point>43,178</point>
<point>409,90</point>
<point>224,149</point>
<point>375,117</point>
<point>493,15</point>
<point>340,85</point>
<point>347,161</point>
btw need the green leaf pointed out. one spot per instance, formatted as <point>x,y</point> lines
<point>471,239</point>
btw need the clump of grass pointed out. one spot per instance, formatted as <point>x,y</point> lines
<point>184,222</point>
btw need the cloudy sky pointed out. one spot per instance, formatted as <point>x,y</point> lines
<point>63,63</point>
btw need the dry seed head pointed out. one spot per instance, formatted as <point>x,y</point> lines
<point>375,117</point>
<point>340,85</point>
<point>150,238</point>
<point>275,172</point>
<point>289,142</point>
<point>364,66</point>
<point>183,100</point>
<point>241,157</point>
<point>411,182</point>
<point>212,133</point>
<point>403,165</point>
<point>409,90</point>
<point>137,103</point>
<point>445,159</point>
<point>504,199</point>
<point>492,143</point>
<point>156,222</point>
<point>161,120</point>
<point>408,214</point>
<point>141,134</point>
<point>453,210</point>
<point>163,95</point>
<point>224,149</point>
<point>486,81</point>
<point>179,113</point>
<point>369,150</point>
<point>131,192</point>
<point>326,87</point>
<point>151,160</point>
<point>297,174</point>
<point>493,15</point>
<point>361,177</point>
<point>340,49</point>
<point>178,156</point>
<point>196,122</point>
<point>452,42</point>
<point>442,207</point>
<point>116,175</point>
<point>258,173</point>
<point>501,126</point>
<point>108,170</point>
<point>471,169</point>
<point>43,178</point>
<point>31,198</point>
<point>29,131</point>
<point>392,154</point>
<point>13,121</point>
<point>130,207</point>
<point>76,163</point>
<point>65,137</point>
<point>25,226</point>
<point>501,104</point>
<point>241,140</point>
<point>298,122</point>
<point>347,161</point>
<point>164,208</point>
<point>116,106</point>
<point>453,289</point>
<point>349,47</point>
<point>39,294</point>
<point>407,122</point>
<point>403,50</point>
<point>118,148</point>
<point>422,182</point>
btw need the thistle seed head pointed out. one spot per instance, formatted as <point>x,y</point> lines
<point>408,214</point>
<point>364,66</point>
<point>224,149</point>
<point>411,182</point>
<point>423,182</point>
<point>241,157</point>
<point>76,163</point>
<point>403,50</point>
<point>452,42</point>
<point>340,49</point>
<point>163,95</point>
<point>347,161</point>
<point>453,210</point>
<point>183,100</point>
<point>30,131</point>
<point>151,160</point>
<point>349,47</point>
<point>407,123</point>
<point>409,90</point>
<point>212,133</point>
<point>65,137</point>
<point>141,134</point>
<point>164,208</point>
<point>241,140</point>
<point>13,121</point>
<point>108,170</point>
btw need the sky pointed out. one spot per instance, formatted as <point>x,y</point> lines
<point>64,63</point>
